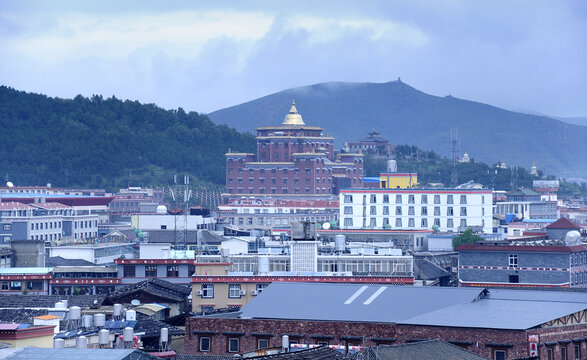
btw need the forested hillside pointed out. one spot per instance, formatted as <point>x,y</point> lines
<point>108,143</point>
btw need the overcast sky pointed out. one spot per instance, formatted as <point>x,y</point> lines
<point>527,56</point>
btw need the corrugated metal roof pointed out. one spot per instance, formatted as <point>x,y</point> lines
<point>31,353</point>
<point>25,271</point>
<point>432,306</point>
<point>350,302</point>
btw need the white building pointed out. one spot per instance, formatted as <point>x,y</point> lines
<point>450,210</point>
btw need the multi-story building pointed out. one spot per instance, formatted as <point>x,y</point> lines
<point>374,145</point>
<point>261,213</point>
<point>134,200</point>
<point>292,159</point>
<point>446,210</point>
<point>49,221</point>
<point>559,261</point>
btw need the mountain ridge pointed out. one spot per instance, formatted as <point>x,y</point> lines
<point>406,115</point>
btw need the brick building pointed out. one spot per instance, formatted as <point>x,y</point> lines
<point>292,159</point>
<point>496,323</point>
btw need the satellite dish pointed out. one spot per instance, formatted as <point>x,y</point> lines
<point>135,302</point>
<point>9,184</point>
<point>326,226</point>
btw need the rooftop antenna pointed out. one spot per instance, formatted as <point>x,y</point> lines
<point>454,137</point>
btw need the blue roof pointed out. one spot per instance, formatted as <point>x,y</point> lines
<point>370,179</point>
<point>119,324</point>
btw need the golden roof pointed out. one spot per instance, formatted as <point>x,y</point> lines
<point>293,118</point>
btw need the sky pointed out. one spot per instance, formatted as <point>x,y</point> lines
<point>526,55</point>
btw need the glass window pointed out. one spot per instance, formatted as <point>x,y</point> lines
<point>398,199</point>
<point>204,343</point>
<point>386,210</point>
<point>373,210</point>
<point>262,344</point>
<point>463,211</point>
<point>424,222</point>
<point>437,211</point>
<point>386,199</point>
<point>150,270</point>
<point>398,210</point>
<point>450,223</point>
<point>234,291</point>
<point>348,210</point>
<point>449,199</point>
<point>437,199</point>
<point>373,198</point>
<point>437,221</point>
<point>449,211</point>
<point>15,285</point>
<point>348,221</point>
<point>411,222</point>
<point>411,199</point>
<point>233,344</point>
<point>411,210</point>
<point>499,355</point>
<point>463,223</point>
<point>261,287</point>
<point>128,271</point>
<point>348,199</point>
<point>398,222</point>
<point>207,290</point>
<point>463,199</point>
<point>513,260</point>
<point>424,210</point>
<point>424,199</point>
<point>34,285</point>
<point>172,271</point>
<point>373,222</point>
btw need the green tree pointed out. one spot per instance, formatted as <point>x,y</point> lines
<point>466,237</point>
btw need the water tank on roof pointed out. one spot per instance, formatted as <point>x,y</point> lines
<point>58,344</point>
<point>82,342</point>
<point>127,334</point>
<point>164,339</point>
<point>65,302</point>
<point>573,238</point>
<point>117,311</point>
<point>339,242</point>
<point>60,305</point>
<point>99,320</point>
<point>103,337</point>
<point>131,315</point>
<point>88,321</point>
<point>75,313</point>
<point>391,166</point>
<point>262,265</point>
<point>161,210</point>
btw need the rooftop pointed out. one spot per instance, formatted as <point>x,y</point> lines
<point>422,350</point>
<point>563,223</point>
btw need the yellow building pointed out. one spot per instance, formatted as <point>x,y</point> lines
<point>397,180</point>
<point>37,336</point>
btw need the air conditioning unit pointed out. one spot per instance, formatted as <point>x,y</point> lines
<point>199,292</point>
<point>242,292</point>
<point>254,292</point>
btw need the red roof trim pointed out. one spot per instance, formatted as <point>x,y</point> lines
<point>31,332</point>
<point>164,261</point>
<point>319,279</point>
<point>510,248</point>
<point>420,191</point>
<point>100,281</point>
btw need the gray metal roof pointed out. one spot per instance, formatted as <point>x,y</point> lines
<point>353,302</point>
<point>31,353</point>
<point>433,306</point>
<point>423,350</point>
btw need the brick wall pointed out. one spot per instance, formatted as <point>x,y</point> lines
<point>481,341</point>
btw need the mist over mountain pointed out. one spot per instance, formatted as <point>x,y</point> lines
<point>405,115</point>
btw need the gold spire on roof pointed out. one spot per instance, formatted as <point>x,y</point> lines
<point>293,118</point>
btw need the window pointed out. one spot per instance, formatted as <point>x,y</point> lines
<point>563,352</point>
<point>398,199</point>
<point>207,290</point>
<point>411,211</point>
<point>549,356</point>
<point>172,271</point>
<point>449,199</point>
<point>424,222</point>
<point>514,279</point>
<point>449,224</point>
<point>398,222</point>
<point>424,199</point>
<point>373,198</point>
<point>128,271</point>
<point>7,227</point>
<point>398,210</point>
<point>411,199</point>
<point>34,285</point>
<point>191,270</point>
<point>15,285</point>
<point>499,355</point>
<point>437,221</point>
<point>424,210</point>
<point>386,199</point>
<point>437,199</point>
<point>348,199</point>
<point>348,221</point>
<point>411,222</point>
<point>373,222</point>
<point>463,211</point>
<point>449,211</point>
<point>150,270</point>
<point>261,287</point>
<point>373,210</point>
<point>204,343</point>
<point>262,344</point>
<point>386,210</point>
<point>233,345</point>
<point>463,223</point>
<point>577,351</point>
<point>513,260</point>
<point>463,199</point>
<point>437,211</point>
<point>234,291</point>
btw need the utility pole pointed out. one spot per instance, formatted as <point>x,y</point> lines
<point>454,137</point>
